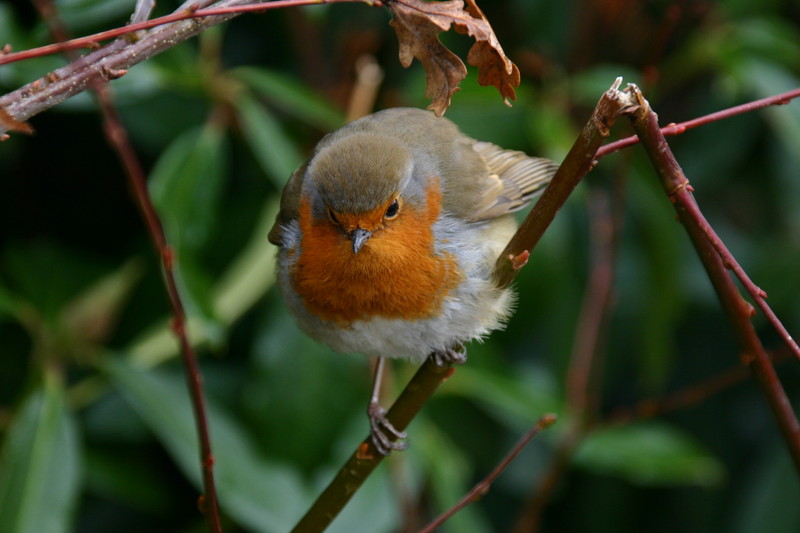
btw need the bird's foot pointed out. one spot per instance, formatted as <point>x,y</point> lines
<point>451,356</point>
<point>384,435</point>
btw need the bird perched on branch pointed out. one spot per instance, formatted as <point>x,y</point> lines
<point>388,238</point>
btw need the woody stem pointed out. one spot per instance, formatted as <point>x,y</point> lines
<point>717,264</point>
<point>576,165</point>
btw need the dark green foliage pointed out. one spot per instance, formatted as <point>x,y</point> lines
<point>97,432</point>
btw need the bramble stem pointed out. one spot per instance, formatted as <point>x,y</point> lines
<point>717,264</point>
<point>576,165</point>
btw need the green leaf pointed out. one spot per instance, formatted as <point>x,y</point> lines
<point>262,495</point>
<point>129,480</point>
<point>7,304</point>
<point>293,97</point>
<point>47,276</point>
<point>39,481</point>
<point>300,386</point>
<point>649,454</point>
<point>93,313</point>
<point>518,401</point>
<point>186,185</point>
<point>247,278</point>
<point>277,155</point>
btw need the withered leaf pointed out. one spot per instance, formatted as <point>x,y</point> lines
<point>418,35</point>
<point>418,24</point>
<point>494,67</point>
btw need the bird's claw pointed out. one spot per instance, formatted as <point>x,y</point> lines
<point>450,356</point>
<point>384,435</point>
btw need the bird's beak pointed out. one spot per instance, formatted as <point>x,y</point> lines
<point>359,236</point>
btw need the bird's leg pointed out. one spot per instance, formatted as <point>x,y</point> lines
<point>456,355</point>
<point>384,435</point>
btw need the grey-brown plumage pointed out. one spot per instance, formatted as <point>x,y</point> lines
<point>522,178</point>
<point>417,277</point>
<point>366,161</point>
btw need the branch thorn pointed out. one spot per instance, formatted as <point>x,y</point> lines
<point>520,260</point>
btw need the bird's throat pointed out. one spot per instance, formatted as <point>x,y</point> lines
<point>396,274</point>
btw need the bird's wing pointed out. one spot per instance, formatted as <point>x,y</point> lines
<point>521,178</point>
<point>290,205</point>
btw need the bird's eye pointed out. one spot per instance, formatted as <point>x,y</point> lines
<point>393,208</point>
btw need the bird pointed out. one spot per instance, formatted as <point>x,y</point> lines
<point>388,236</point>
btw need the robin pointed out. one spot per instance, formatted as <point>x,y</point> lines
<point>388,236</point>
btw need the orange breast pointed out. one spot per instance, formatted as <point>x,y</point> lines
<point>395,275</point>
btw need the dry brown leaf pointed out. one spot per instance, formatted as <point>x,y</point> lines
<point>418,35</point>
<point>418,24</point>
<point>494,67</point>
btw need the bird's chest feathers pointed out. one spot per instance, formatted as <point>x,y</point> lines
<point>397,274</point>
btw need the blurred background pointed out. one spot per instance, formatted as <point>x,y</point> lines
<point>660,428</point>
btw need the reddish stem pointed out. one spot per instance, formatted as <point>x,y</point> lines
<point>581,376</point>
<point>92,41</point>
<point>118,138</point>
<point>676,129</point>
<point>739,312</point>
<point>576,165</point>
<point>482,487</point>
<point>686,397</point>
<point>758,295</point>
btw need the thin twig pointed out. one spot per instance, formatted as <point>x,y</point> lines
<point>118,138</point>
<point>119,55</point>
<point>677,129</point>
<point>576,165</point>
<point>366,457</point>
<point>685,397</point>
<point>230,8</point>
<point>739,312</point>
<point>531,517</point>
<point>593,318</point>
<point>482,487</point>
<point>758,295</point>
<point>119,141</point>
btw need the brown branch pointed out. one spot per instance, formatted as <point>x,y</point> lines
<point>183,13</point>
<point>119,55</point>
<point>581,380</point>
<point>364,460</point>
<point>580,368</point>
<point>483,486</point>
<point>677,129</point>
<point>531,517</point>
<point>739,312</point>
<point>118,140</point>
<point>685,397</point>
<point>576,165</point>
<point>758,295</point>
